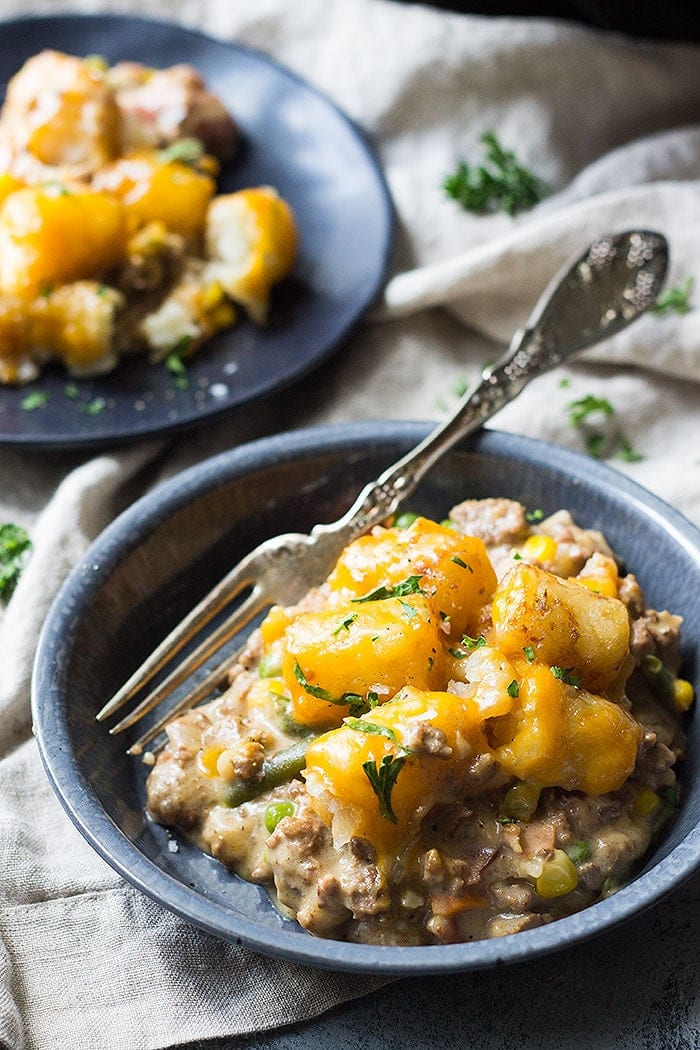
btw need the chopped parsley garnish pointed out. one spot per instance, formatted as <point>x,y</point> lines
<point>345,624</point>
<point>513,689</point>
<point>501,183</point>
<point>586,406</point>
<point>14,547</point>
<point>579,851</point>
<point>473,643</point>
<point>534,515</point>
<point>567,675</point>
<point>458,654</point>
<point>371,728</point>
<point>382,779</point>
<point>354,701</point>
<point>517,556</point>
<point>411,585</point>
<point>71,390</point>
<point>186,151</point>
<point>372,699</point>
<point>175,364</point>
<point>626,452</point>
<point>529,653</point>
<point>462,564</point>
<point>37,399</point>
<point>600,443</point>
<point>675,300</point>
<point>94,407</point>
<point>312,690</point>
<point>409,609</point>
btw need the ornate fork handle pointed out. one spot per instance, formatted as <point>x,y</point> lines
<point>527,356</point>
<point>613,282</point>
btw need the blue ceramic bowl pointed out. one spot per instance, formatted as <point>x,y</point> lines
<point>166,551</point>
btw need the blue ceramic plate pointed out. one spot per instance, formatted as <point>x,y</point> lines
<point>167,550</point>
<point>295,140</point>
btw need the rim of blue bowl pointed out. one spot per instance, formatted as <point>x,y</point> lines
<point>292,943</point>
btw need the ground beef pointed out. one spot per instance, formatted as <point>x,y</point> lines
<point>495,521</point>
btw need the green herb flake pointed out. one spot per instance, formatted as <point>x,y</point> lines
<point>345,624</point>
<point>276,812</point>
<point>372,699</point>
<point>175,364</point>
<point>517,556</point>
<point>411,585</point>
<point>37,399</point>
<point>462,564</point>
<point>501,183</point>
<point>458,654</point>
<point>534,515</point>
<point>626,452</point>
<point>312,690</point>
<point>513,689</point>
<point>71,390</point>
<point>371,728</point>
<point>507,820</point>
<point>675,300</point>
<point>409,609</point>
<point>473,643</point>
<point>529,653</point>
<point>382,779</point>
<point>595,445</point>
<point>567,675</point>
<point>564,383</point>
<point>185,150</point>
<point>46,291</point>
<point>94,407</point>
<point>14,548</point>
<point>579,852</point>
<point>586,406</point>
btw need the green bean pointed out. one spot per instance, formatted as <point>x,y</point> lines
<point>658,677</point>
<point>281,768</point>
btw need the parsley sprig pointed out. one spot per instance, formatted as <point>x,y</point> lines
<point>609,441</point>
<point>675,300</point>
<point>354,699</point>
<point>14,547</point>
<point>500,183</point>
<point>411,585</point>
<point>382,778</point>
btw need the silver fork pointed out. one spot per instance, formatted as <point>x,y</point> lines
<point>615,280</point>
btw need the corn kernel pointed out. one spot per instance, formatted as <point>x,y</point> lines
<point>683,694</point>
<point>646,803</point>
<point>559,876</point>
<point>598,584</point>
<point>212,296</point>
<point>540,547</point>
<point>207,760</point>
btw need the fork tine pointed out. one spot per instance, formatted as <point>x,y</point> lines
<point>256,601</point>
<point>224,592</point>
<point>213,680</point>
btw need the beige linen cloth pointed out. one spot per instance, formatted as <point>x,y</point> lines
<point>612,126</point>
